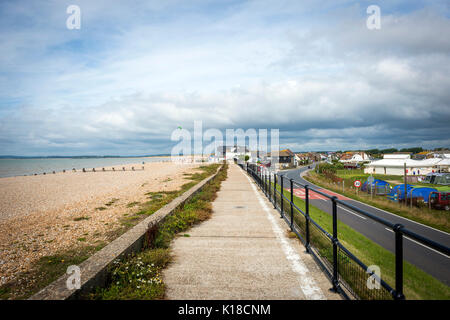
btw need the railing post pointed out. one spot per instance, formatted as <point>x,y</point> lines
<point>335,253</point>
<point>307,217</point>
<point>261,178</point>
<point>258,176</point>
<point>275,190</point>
<point>281,196</point>
<point>265,181</point>
<point>292,204</point>
<point>398,262</point>
<point>269,187</point>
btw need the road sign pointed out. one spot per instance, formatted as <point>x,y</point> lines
<point>357,183</point>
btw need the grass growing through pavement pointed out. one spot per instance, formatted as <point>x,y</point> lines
<point>439,219</point>
<point>138,277</point>
<point>48,268</point>
<point>417,283</point>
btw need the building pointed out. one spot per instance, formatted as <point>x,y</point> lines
<point>393,164</point>
<point>285,159</point>
<point>231,153</point>
<point>443,154</point>
<point>354,157</point>
<point>301,159</point>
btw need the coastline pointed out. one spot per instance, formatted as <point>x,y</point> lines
<point>45,214</point>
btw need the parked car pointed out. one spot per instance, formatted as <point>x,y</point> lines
<point>440,200</point>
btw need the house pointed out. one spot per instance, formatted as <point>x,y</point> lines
<point>301,159</point>
<point>285,158</point>
<point>232,152</point>
<point>354,157</point>
<point>331,156</point>
<point>421,155</point>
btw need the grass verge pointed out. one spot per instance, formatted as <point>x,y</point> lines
<point>138,276</point>
<point>418,285</point>
<point>438,219</point>
<point>44,271</point>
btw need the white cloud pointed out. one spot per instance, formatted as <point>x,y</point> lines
<point>133,74</point>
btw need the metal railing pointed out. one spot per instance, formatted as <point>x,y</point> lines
<point>343,268</point>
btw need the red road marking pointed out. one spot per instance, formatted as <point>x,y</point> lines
<point>315,196</point>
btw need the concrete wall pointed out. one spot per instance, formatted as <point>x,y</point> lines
<point>94,269</point>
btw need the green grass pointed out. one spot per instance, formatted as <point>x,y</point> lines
<point>360,175</point>
<point>438,219</point>
<point>81,218</point>
<point>110,203</point>
<point>132,204</point>
<point>138,277</point>
<point>44,271</point>
<point>417,283</point>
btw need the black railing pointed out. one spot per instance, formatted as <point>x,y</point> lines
<point>342,267</point>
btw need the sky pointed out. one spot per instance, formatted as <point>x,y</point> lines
<point>136,71</point>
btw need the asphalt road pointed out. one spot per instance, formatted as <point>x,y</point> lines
<point>427,259</point>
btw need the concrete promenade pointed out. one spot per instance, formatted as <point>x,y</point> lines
<point>243,252</point>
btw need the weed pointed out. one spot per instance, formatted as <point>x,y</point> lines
<point>81,218</point>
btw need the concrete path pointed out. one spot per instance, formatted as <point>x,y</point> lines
<point>243,252</point>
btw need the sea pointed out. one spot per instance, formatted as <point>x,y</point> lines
<point>31,166</point>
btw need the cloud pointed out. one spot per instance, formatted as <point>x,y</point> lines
<point>138,70</point>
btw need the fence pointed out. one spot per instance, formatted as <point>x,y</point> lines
<point>348,274</point>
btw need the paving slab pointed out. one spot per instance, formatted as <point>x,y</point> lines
<point>243,252</point>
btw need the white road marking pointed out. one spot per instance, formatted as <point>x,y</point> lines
<point>392,214</point>
<point>408,238</point>
<point>307,284</point>
<point>342,208</point>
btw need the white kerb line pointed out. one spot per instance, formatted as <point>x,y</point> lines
<point>307,284</point>
<point>408,238</point>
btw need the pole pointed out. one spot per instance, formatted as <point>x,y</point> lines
<point>307,217</point>
<point>335,239</point>
<point>398,262</point>
<point>292,204</point>
<point>406,193</point>
<point>281,196</point>
<point>269,187</point>
<point>275,190</point>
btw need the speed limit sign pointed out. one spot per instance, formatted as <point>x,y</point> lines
<point>357,183</point>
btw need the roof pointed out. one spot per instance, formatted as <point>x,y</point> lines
<point>410,163</point>
<point>444,162</point>
<point>285,153</point>
<point>346,156</point>
<point>397,156</point>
